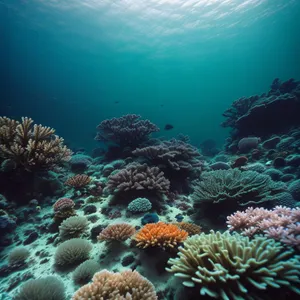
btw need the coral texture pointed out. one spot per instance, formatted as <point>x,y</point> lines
<point>190,228</point>
<point>18,256</point>
<point>47,288</point>
<point>139,205</point>
<point>116,232</point>
<point>280,223</point>
<point>78,181</point>
<point>85,271</point>
<point>138,177</point>
<point>73,227</point>
<point>234,185</point>
<point>33,147</point>
<point>72,251</point>
<point>228,266</point>
<point>174,154</point>
<point>126,285</point>
<point>159,235</point>
<point>127,130</point>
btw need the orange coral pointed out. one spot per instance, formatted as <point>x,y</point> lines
<point>116,232</point>
<point>78,181</point>
<point>190,228</point>
<point>160,235</point>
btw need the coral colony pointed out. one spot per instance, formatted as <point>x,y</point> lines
<point>144,214</point>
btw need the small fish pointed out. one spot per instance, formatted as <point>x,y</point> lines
<point>161,105</point>
<point>116,102</point>
<point>169,127</point>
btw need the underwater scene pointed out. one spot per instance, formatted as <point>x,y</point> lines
<point>149,149</point>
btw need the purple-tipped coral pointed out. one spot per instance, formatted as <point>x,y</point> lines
<point>175,154</point>
<point>138,177</point>
<point>126,131</point>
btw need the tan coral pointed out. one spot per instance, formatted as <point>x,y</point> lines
<point>116,232</point>
<point>78,181</point>
<point>190,228</point>
<point>126,285</point>
<point>31,146</point>
<point>160,235</point>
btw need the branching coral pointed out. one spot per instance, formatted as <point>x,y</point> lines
<point>33,147</point>
<point>234,267</point>
<point>122,286</point>
<point>280,223</point>
<point>138,177</point>
<point>174,154</point>
<point>78,181</point>
<point>236,186</point>
<point>116,232</point>
<point>159,235</point>
<point>127,130</point>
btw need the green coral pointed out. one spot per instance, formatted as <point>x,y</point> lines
<point>139,205</point>
<point>226,266</point>
<point>241,187</point>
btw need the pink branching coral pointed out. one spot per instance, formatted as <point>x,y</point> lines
<point>138,177</point>
<point>281,223</point>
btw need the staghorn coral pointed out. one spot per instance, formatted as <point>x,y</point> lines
<point>234,267</point>
<point>126,285</point>
<point>281,223</point>
<point>32,147</point>
<point>126,131</point>
<point>235,186</point>
<point>116,232</point>
<point>175,154</point>
<point>78,181</point>
<point>159,235</point>
<point>190,228</point>
<point>138,177</point>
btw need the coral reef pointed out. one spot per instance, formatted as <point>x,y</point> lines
<point>159,235</point>
<point>228,266</point>
<point>127,130</point>
<point>32,147</point>
<point>116,232</point>
<point>124,285</point>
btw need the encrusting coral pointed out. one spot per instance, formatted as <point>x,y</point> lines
<point>159,235</point>
<point>31,146</point>
<point>226,266</point>
<point>116,232</point>
<point>117,286</point>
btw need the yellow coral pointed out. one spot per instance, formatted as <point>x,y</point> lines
<point>160,235</point>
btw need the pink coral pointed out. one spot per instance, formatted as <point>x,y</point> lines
<point>63,204</point>
<point>281,223</point>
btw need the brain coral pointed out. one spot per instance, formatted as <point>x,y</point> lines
<point>228,266</point>
<point>139,205</point>
<point>122,286</point>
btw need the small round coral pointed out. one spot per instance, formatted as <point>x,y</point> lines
<point>116,232</point>
<point>73,227</point>
<point>111,286</point>
<point>160,235</point>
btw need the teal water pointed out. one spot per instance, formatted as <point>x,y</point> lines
<point>66,63</point>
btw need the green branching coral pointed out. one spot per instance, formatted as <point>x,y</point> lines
<point>227,266</point>
<point>243,188</point>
